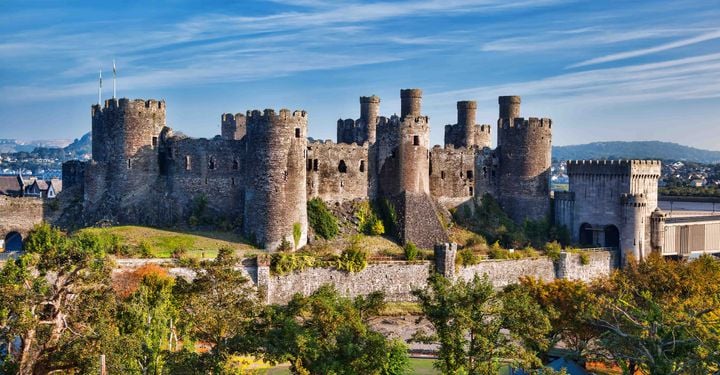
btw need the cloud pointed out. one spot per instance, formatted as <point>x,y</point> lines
<point>646,51</point>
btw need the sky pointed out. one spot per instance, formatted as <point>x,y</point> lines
<point>602,70</point>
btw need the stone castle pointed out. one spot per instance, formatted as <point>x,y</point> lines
<point>261,171</point>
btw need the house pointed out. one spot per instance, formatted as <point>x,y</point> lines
<point>37,188</point>
<point>12,186</point>
<point>54,188</point>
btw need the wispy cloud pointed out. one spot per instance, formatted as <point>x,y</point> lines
<point>647,51</point>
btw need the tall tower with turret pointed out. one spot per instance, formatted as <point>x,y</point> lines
<point>276,195</point>
<point>466,133</point>
<point>524,153</point>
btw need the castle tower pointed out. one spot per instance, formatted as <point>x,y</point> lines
<point>524,153</point>
<point>509,106</point>
<point>232,127</point>
<point>410,102</point>
<point>414,144</point>
<point>466,111</point>
<point>632,233</point>
<point>657,230</point>
<point>276,193</point>
<point>466,133</point>
<point>369,112</point>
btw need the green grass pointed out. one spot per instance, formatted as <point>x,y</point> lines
<point>163,243</point>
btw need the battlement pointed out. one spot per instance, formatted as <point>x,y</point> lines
<point>328,144</point>
<point>614,162</point>
<point>125,104</point>
<point>484,128</point>
<point>269,115</point>
<point>229,117</point>
<point>614,167</point>
<point>634,200</point>
<point>370,99</point>
<point>521,123</point>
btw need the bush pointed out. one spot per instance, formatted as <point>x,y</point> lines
<point>368,222</point>
<point>553,250</point>
<point>411,251</point>
<point>285,245</point>
<point>584,258</point>
<point>321,220</point>
<point>498,253</point>
<point>353,258</point>
<point>467,258</point>
<point>388,215</point>
<point>284,263</point>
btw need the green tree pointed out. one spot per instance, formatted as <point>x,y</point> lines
<point>326,333</point>
<point>470,317</point>
<point>56,304</point>
<point>220,306</point>
<point>148,321</point>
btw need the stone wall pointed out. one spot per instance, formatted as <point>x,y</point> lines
<point>600,263</point>
<point>505,272</point>
<point>19,215</point>
<point>337,172</point>
<point>396,279</point>
<point>452,174</point>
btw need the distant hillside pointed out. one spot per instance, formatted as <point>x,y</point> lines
<point>635,150</point>
<point>15,145</point>
<point>80,147</point>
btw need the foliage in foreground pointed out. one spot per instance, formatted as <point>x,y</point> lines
<point>325,333</point>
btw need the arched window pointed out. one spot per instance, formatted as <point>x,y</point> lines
<point>236,165</point>
<point>211,162</point>
<point>342,168</point>
<point>13,242</point>
<point>362,165</point>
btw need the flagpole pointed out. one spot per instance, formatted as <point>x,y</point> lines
<point>100,90</point>
<point>114,78</point>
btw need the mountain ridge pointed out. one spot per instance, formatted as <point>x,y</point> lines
<point>635,150</point>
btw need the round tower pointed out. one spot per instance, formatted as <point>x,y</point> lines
<point>410,102</point>
<point>524,149</point>
<point>466,111</point>
<point>632,233</point>
<point>482,136</point>
<point>414,155</point>
<point>657,230</point>
<point>369,112</point>
<point>509,106</point>
<point>276,193</point>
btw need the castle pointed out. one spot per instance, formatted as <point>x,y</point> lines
<point>261,171</point>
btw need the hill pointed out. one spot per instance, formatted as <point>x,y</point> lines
<point>635,150</point>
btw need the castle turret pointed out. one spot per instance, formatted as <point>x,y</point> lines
<point>632,233</point>
<point>232,127</point>
<point>410,102</point>
<point>509,107</point>
<point>369,112</point>
<point>466,111</point>
<point>275,196</point>
<point>657,230</point>
<point>524,152</point>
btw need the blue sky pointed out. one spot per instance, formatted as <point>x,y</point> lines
<point>603,70</point>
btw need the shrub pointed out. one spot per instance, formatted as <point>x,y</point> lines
<point>467,258</point>
<point>368,222</point>
<point>498,253</point>
<point>411,251</point>
<point>284,263</point>
<point>321,220</point>
<point>145,249</point>
<point>352,259</point>
<point>285,245</point>
<point>584,258</point>
<point>553,250</point>
<point>297,233</point>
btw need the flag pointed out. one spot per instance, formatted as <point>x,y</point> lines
<point>114,70</point>
<point>100,78</point>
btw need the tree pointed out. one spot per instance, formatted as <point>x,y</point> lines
<point>220,306</point>
<point>56,304</point>
<point>662,316</point>
<point>570,306</point>
<point>148,320</point>
<point>478,328</point>
<point>325,333</point>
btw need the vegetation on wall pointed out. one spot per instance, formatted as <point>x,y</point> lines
<point>368,221</point>
<point>351,259</point>
<point>321,220</point>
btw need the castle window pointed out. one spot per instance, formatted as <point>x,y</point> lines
<point>393,154</point>
<point>362,165</point>
<point>211,162</point>
<point>297,132</point>
<point>205,180</point>
<point>315,165</point>
<point>442,175</point>
<point>129,163</point>
<point>469,175</point>
<point>342,168</point>
<point>232,181</point>
<point>484,171</point>
<point>309,164</point>
<point>236,165</point>
<point>188,164</point>
<point>416,140</point>
<point>154,142</point>
<point>471,190</point>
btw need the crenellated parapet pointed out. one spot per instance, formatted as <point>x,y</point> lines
<point>232,127</point>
